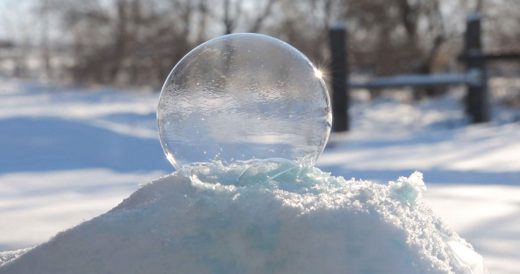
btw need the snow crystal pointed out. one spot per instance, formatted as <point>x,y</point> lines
<point>261,217</point>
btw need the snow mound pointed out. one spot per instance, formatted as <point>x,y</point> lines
<point>263,217</point>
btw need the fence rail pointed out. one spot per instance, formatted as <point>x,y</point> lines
<point>417,80</point>
<point>490,57</point>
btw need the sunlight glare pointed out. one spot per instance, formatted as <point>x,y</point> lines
<point>318,74</point>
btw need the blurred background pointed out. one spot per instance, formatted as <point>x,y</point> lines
<point>79,83</point>
<point>136,42</point>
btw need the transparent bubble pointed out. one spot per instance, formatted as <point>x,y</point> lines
<point>243,97</point>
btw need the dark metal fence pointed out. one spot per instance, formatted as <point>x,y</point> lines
<point>475,76</point>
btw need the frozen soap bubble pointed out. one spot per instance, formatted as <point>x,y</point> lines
<point>243,97</point>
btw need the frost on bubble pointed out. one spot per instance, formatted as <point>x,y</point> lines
<point>241,97</point>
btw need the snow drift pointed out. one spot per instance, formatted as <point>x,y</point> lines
<point>263,217</point>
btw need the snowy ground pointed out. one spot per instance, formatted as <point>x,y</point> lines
<point>69,156</point>
<point>472,172</point>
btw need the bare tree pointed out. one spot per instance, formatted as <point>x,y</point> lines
<point>137,42</point>
<point>264,13</point>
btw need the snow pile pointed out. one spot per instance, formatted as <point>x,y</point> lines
<point>263,217</point>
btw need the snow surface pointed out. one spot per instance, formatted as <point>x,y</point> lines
<point>7,256</point>
<point>267,217</point>
<point>77,154</point>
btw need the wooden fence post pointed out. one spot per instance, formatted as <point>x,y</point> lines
<point>477,97</point>
<point>339,74</point>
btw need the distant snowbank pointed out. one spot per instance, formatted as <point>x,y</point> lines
<point>270,217</point>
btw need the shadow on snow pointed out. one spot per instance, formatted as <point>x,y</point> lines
<point>43,144</point>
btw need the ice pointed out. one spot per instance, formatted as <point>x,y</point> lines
<point>236,219</point>
<point>408,190</point>
<point>240,97</point>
